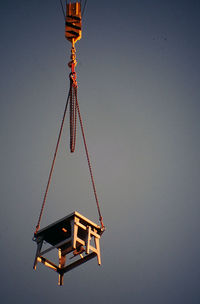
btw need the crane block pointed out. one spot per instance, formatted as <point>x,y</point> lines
<point>73,22</point>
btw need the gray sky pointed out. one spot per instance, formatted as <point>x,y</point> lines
<point>138,73</point>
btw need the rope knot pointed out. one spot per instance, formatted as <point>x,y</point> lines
<point>72,77</point>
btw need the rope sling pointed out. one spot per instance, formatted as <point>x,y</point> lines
<point>75,114</point>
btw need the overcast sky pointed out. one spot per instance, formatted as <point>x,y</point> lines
<point>138,73</point>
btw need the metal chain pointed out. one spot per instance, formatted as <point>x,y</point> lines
<point>73,114</point>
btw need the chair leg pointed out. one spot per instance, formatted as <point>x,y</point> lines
<point>88,239</point>
<point>97,244</point>
<point>62,261</point>
<point>75,234</point>
<point>38,250</point>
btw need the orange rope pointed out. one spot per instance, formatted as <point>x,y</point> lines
<point>89,165</point>
<point>52,166</point>
<point>73,138</point>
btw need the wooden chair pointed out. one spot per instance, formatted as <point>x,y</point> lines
<point>77,240</point>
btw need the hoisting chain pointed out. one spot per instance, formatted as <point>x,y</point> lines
<point>74,109</point>
<point>73,91</point>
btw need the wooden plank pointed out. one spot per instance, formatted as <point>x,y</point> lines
<point>75,233</point>
<point>80,225</point>
<point>80,241</point>
<point>78,262</point>
<point>93,249</point>
<point>48,263</point>
<point>87,220</point>
<point>95,234</point>
<point>88,239</point>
